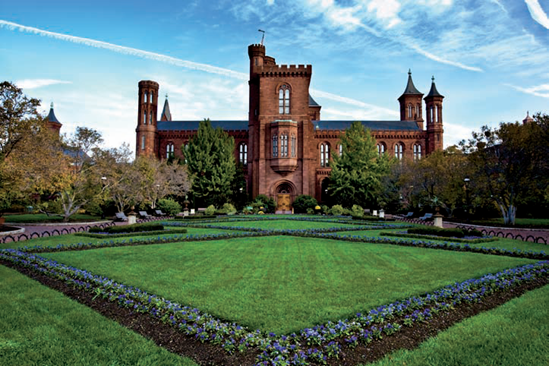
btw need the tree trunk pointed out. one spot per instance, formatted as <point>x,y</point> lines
<point>509,214</point>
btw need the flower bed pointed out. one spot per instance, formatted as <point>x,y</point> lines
<point>317,344</point>
<point>471,240</point>
<point>103,235</point>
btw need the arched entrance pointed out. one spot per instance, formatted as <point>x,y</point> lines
<point>324,191</point>
<point>284,191</point>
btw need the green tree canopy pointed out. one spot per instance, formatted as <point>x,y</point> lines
<point>211,163</point>
<point>356,176</point>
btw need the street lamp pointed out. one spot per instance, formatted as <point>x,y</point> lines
<point>466,180</point>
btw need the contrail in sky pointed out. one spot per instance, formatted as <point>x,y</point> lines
<point>170,60</point>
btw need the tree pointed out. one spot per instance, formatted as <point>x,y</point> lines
<point>356,176</point>
<point>510,163</point>
<point>211,163</point>
<point>18,118</point>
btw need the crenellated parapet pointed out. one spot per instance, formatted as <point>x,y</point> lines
<point>285,71</point>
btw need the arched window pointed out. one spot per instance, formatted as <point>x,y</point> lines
<point>145,97</point>
<point>399,149</point>
<point>243,154</point>
<point>284,145</point>
<point>381,148</point>
<point>432,111</point>
<point>284,99</point>
<point>418,112</point>
<point>169,150</point>
<point>409,111</point>
<point>324,154</point>
<point>145,118</point>
<point>275,146</point>
<point>340,148</point>
<point>151,118</point>
<point>417,152</point>
<point>294,146</point>
<point>142,142</point>
<point>151,97</point>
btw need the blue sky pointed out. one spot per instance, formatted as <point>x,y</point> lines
<point>489,57</point>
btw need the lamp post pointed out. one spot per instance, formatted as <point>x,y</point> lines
<point>466,180</point>
<point>103,184</point>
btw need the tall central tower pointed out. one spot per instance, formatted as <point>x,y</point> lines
<point>146,130</point>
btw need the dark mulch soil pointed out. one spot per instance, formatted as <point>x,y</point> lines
<point>6,228</point>
<point>208,354</point>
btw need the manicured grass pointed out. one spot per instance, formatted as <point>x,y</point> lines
<point>284,224</point>
<point>528,223</point>
<point>515,333</point>
<point>73,239</point>
<point>283,284</point>
<point>36,218</point>
<point>40,326</point>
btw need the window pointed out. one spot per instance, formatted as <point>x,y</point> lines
<point>151,97</point>
<point>151,118</point>
<point>417,152</point>
<point>409,111</point>
<point>243,154</point>
<point>294,146</point>
<point>324,154</point>
<point>418,114</point>
<point>399,148</point>
<point>142,142</point>
<point>284,99</point>
<point>432,111</point>
<point>381,148</point>
<point>284,146</point>
<point>275,146</point>
<point>144,117</point>
<point>340,149</point>
<point>169,150</point>
<point>145,97</point>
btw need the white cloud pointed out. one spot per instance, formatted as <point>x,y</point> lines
<point>537,12</point>
<point>38,83</point>
<point>270,2</point>
<point>386,10</point>
<point>372,109</point>
<point>454,133</point>
<point>539,90</point>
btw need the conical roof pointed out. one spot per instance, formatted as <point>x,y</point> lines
<point>166,114</point>
<point>528,119</point>
<point>434,92</point>
<point>51,116</point>
<point>410,87</point>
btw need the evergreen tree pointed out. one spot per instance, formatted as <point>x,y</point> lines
<point>356,176</point>
<point>211,162</point>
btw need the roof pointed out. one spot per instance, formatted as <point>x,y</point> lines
<point>434,92</point>
<point>166,114</point>
<point>312,102</point>
<point>193,125</point>
<point>410,87</point>
<point>51,116</point>
<point>372,125</point>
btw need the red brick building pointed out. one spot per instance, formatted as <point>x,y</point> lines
<point>284,145</point>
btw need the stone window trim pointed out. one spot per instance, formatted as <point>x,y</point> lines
<point>243,153</point>
<point>399,151</point>
<point>324,154</point>
<point>284,92</point>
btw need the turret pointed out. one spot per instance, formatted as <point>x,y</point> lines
<point>52,122</point>
<point>433,104</point>
<point>411,103</point>
<point>528,119</point>
<point>146,118</point>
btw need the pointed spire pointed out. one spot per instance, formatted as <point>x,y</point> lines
<point>166,114</point>
<point>434,92</point>
<point>51,116</point>
<point>410,87</point>
<point>528,119</point>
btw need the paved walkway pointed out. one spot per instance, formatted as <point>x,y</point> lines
<point>525,233</point>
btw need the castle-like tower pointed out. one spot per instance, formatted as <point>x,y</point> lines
<point>284,147</point>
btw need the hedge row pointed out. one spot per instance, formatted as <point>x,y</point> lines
<point>128,228</point>
<point>434,237</point>
<point>122,235</point>
<point>446,233</point>
<point>196,217</point>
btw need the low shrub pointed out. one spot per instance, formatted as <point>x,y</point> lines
<point>357,210</point>
<point>112,236</point>
<point>337,210</point>
<point>303,203</point>
<point>210,210</point>
<point>128,228</point>
<point>268,204</point>
<point>311,211</point>
<point>198,217</point>
<point>169,206</point>
<point>228,209</point>
<point>325,209</point>
<point>370,218</point>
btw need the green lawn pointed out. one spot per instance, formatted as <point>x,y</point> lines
<point>513,334</point>
<point>73,239</point>
<point>283,284</point>
<point>283,224</point>
<point>40,326</point>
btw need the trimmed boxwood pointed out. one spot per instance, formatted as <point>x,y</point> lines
<point>446,233</point>
<point>128,228</point>
<point>371,218</point>
<point>199,217</point>
<point>111,236</point>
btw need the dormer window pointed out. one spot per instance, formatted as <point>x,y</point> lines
<point>284,99</point>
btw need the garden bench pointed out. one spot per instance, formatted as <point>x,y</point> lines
<point>159,213</point>
<point>427,216</point>
<point>409,215</point>
<point>144,214</point>
<point>120,216</point>
<point>201,210</point>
